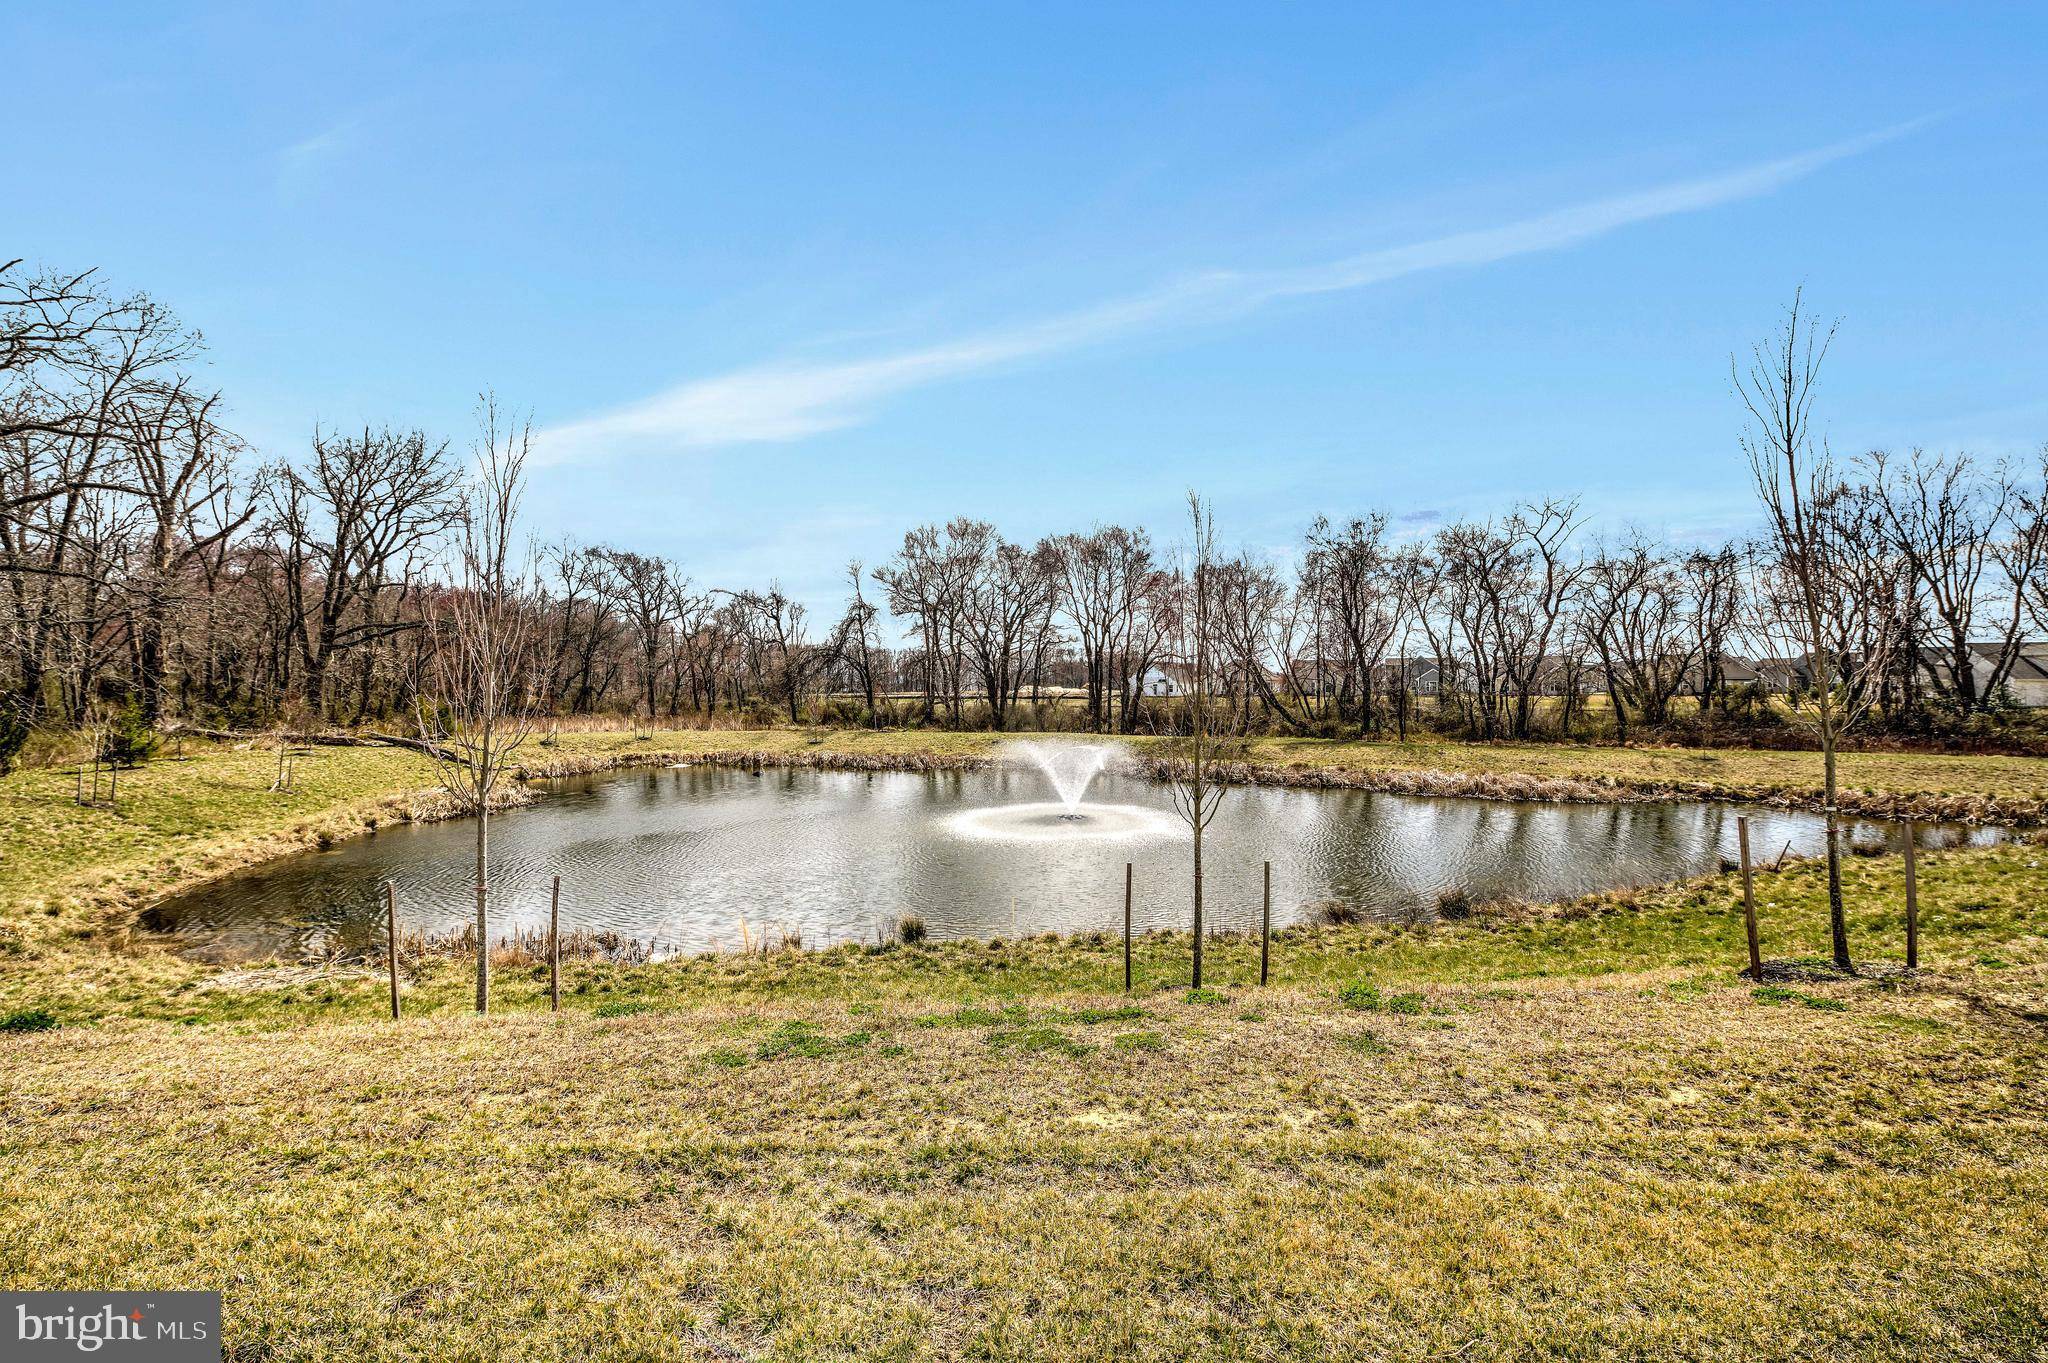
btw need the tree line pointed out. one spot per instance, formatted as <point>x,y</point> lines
<point>151,560</point>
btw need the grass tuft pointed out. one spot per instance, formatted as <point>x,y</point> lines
<point>28,1020</point>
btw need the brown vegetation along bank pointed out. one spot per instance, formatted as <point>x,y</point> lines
<point>1987,808</point>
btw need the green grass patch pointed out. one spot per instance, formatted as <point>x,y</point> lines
<point>28,1020</point>
<point>1038,1041</point>
<point>797,1038</point>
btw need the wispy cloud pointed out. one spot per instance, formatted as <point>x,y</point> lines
<point>301,165</point>
<point>782,401</point>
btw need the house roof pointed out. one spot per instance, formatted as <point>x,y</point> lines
<point>2030,665</point>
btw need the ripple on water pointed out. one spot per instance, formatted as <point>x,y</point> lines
<point>1050,822</point>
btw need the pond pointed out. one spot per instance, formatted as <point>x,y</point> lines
<point>708,858</point>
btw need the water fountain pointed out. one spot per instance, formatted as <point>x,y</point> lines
<point>1069,768</point>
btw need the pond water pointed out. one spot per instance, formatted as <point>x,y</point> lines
<point>706,858</point>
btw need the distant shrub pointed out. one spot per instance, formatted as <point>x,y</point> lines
<point>29,1020</point>
<point>845,713</point>
<point>1454,904</point>
<point>910,929</point>
<point>129,740</point>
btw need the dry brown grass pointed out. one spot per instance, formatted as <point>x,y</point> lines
<point>1646,1167</point>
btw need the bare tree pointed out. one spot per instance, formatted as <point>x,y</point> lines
<point>1255,622</point>
<point>1346,568</point>
<point>1196,781</point>
<point>2026,552</point>
<point>1814,587</point>
<point>1008,598</point>
<point>180,466</point>
<point>350,531</point>
<point>646,589</point>
<point>854,642</point>
<point>477,702</point>
<point>1636,622</point>
<point>1537,599</point>
<point>926,581</point>
<point>1711,581</point>
<point>1949,526</point>
<point>780,644</point>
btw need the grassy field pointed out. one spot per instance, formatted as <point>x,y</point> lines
<point>1572,1134</point>
<point>1561,1131</point>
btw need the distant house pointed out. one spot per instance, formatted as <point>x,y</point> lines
<point>2027,684</point>
<point>2029,680</point>
<point>1739,672</point>
<point>1421,676</point>
<point>1781,676</point>
<point>1735,672</point>
<point>1167,679</point>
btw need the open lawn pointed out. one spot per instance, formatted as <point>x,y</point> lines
<point>1565,1131</point>
<point>1662,1163</point>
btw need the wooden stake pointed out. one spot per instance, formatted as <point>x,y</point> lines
<point>1756,960</point>
<point>1127,927</point>
<point>1266,927</point>
<point>391,941</point>
<point>1912,901</point>
<point>555,947</point>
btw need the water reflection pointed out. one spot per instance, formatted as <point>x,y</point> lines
<point>684,857</point>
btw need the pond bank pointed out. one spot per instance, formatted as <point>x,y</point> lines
<point>1991,809</point>
<point>75,875</point>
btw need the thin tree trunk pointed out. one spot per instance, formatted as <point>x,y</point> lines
<point>1198,726</point>
<point>1838,921</point>
<point>483,941</point>
<point>1197,983</point>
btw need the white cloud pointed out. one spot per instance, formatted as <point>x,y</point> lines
<point>782,401</point>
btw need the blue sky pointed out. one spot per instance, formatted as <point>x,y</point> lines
<point>778,281</point>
